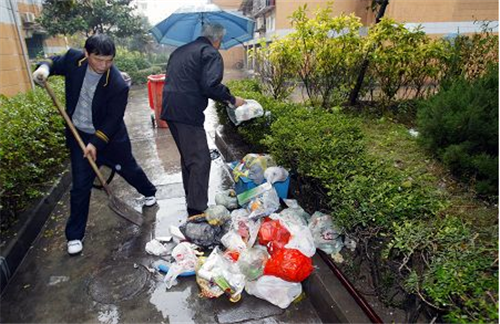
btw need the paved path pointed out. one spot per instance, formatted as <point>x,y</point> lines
<point>107,283</point>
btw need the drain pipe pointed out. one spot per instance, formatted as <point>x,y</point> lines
<point>350,288</point>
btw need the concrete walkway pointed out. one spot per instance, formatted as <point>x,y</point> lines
<point>109,282</point>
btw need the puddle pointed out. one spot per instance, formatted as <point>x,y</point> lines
<point>174,305</point>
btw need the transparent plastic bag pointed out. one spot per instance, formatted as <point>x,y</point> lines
<point>326,235</point>
<point>217,215</point>
<point>275,290</point>
<point>251,109</point>
<point>227,198</point>
<point>273,174</point>
<point>251,263</point>
<point>185,257</point>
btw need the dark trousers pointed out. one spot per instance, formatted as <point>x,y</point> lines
<point>192,144</point>
<point>116,155</point>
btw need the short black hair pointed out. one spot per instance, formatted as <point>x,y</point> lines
<point>100,44</point>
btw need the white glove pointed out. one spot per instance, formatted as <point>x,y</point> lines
<point>41,74</point>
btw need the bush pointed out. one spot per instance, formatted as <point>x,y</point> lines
<point>459,278</point>
<point>32,146</point>
<point>460,126</point>
<point>141,76</point>
<point>130,62</point>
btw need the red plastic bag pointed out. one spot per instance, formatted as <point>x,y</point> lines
<point>289,264</point>
<point>273,235</point>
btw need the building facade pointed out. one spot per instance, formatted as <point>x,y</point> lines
<point>22,40</point>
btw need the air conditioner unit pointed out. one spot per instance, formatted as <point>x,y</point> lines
<point>28,17</point>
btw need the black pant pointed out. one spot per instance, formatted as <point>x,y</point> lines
<point>117,155</point>
<point>192,144</point>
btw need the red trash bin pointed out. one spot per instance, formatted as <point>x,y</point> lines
<point>155,91</point>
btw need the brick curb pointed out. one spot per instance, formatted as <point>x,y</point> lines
<point>13,254</point>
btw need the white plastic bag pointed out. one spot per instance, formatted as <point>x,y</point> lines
<point>300,236</point>
<point>227,198</point>
<point>233,241</point>
<point>273,174</point>
<point>275,290</point>
<point>326,235</point>
<point>155,247</point>
<point>185,258</point>
<point>251,109</point>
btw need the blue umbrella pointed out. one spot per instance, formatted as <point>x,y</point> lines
<point>184,25</point>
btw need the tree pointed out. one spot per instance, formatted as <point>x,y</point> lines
<point>68,17</point>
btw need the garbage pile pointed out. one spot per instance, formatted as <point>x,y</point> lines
<point>254,244</point>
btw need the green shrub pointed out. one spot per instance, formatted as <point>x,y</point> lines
<point>460,126</point>
<point>141,76</point>
<point>130,62</point>
<point>32,146</point>
<point>443,261</point>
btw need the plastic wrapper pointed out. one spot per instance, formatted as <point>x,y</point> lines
<point>227,198</point>
<point>251,109</point>
<point>274,290</point>
<point>273,174</point>
<point>185,257</point>
<point>251,263</point>
<point>289,265</point>
<point>217,215</point>
<point>326,235</point>
<point>247,196</point>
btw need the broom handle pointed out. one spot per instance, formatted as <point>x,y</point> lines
<point>76,135</point>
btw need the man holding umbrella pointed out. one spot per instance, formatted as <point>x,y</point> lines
<point>194,75</point>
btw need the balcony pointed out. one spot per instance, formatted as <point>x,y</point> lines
<point>261,7</point>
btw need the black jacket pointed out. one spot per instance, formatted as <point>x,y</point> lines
<point>194,74</point>
<point>110,98</point>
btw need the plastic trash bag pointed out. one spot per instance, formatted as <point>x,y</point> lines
<point>251,109</point>
<point>253,166</point>
<point>251,263</point>
<point>227,198</point>
<point>217,215</point>
<point>300,236</point>
<point>273,174</point>
<point>202,233</point>
<point>273,235</point>
<point>294,212</point>
<point>155,247</point>
<point>208,288</point>
<point>326,235</point>
<point>289,264</point>
<point>224,273</point>
<point>247,228</point>
<point>185,257</point>
<point>264,205</point>
<point>274,290</point>
<point>233,241</point>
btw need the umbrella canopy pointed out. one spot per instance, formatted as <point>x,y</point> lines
<point>184,25</point>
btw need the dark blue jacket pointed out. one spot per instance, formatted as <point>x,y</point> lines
<point>110,97</point>
<point>194,74</point>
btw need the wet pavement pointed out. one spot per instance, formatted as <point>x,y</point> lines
<point>110,282</point>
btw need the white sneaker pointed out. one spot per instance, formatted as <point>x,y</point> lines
<point>75,247</point>
<point>150,201</point>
